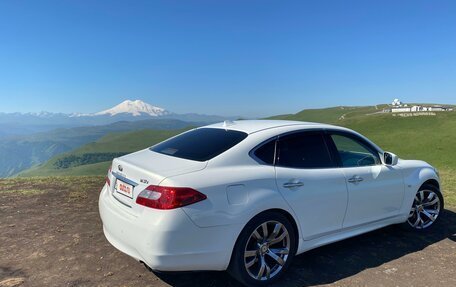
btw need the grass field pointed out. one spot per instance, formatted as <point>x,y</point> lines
<point>429,138</point>
<point>77,187</point>
<point>449,187</point>
<point>115,142</point>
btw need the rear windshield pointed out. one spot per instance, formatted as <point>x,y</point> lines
<point>200,144</point>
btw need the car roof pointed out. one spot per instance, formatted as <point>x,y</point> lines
<point>253,126</point>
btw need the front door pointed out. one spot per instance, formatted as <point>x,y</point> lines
<point>375,191</point>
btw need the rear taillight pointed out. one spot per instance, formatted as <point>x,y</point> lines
<point>165,197</point>
<point>108,181</point>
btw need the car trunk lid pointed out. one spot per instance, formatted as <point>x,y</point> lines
<point>132,173</point>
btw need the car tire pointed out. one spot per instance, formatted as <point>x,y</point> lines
<point>427,207</point>
<point>264,257</point>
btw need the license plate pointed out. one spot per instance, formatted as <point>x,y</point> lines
<point>124,188</point>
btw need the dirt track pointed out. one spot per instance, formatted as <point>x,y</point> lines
<point>55,239</point>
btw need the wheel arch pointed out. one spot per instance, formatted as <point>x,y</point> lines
<point>284,212</point>
<point>436,184</point>
<point>289,217</point>
<point>414,179</point>
<point>432,182</point>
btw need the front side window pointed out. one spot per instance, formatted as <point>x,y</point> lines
<point>200,144</point>
<point>354,153</point>
<point>304,150</point>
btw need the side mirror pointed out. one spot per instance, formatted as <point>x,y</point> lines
<point>390,158</point>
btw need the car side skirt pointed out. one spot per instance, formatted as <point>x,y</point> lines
<point>324,239</point>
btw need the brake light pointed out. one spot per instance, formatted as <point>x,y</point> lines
<point>108,181</point>
<point>165,197</point>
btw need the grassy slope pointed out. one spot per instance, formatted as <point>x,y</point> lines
<point>78,186</point>
<point>18,153</point>
<point>331,115</point>
<point>429,138</point>
<point>116,142</point>
<point>432,139</point>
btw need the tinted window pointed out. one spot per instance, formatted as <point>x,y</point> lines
<point>354,153</point>
<point>200,144</point>
<point>266,152</point>
<point>304,150</point>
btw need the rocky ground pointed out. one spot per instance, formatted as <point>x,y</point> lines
<point>51,235</point>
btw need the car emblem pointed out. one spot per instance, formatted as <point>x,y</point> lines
<point>144,181</point>
<point>120,167</point>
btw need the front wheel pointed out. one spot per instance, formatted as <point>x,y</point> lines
<point>426,208</point>
<point>264,249</point>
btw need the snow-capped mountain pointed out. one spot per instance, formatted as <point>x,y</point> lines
<point>129,111</point>
<point>28,139</point>
<point>134,108</point>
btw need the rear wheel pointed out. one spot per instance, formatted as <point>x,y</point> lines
<point>264,249</point>
<point>426,208</point>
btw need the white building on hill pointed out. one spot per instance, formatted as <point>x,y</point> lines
<point>399,107</point>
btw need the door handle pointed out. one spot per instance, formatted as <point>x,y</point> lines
<point>355,179</point>
<point>293,184</point>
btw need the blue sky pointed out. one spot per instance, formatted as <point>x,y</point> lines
<point>250,58</point>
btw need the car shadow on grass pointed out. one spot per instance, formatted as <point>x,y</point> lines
<point>339,260</point>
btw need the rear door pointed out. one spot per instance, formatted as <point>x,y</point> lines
<point>310,181</point>
<point>375,191</point>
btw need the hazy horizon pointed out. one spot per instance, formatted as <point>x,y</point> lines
<point>255,58</point>
<point>247,116</point>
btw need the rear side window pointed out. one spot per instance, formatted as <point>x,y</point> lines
<point>200,144</point>
<point>304,150</point>
<point>266,152</point>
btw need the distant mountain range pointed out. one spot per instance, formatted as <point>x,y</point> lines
<point>29,139</point>
<point>84,146</point>
<point>27,123</point>
<point>18,153</point>
<point>428,137</point>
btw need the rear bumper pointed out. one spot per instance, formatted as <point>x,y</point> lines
<point>165,240</point>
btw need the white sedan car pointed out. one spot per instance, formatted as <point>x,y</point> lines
<point>247,196</point>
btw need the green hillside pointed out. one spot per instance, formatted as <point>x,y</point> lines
<point>331,115</point>
<point>18,153</point>
<point>428,138</point>
<point>94,158</point>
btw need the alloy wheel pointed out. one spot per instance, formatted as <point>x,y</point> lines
<point>267,250</point>
<point>425,209</point>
